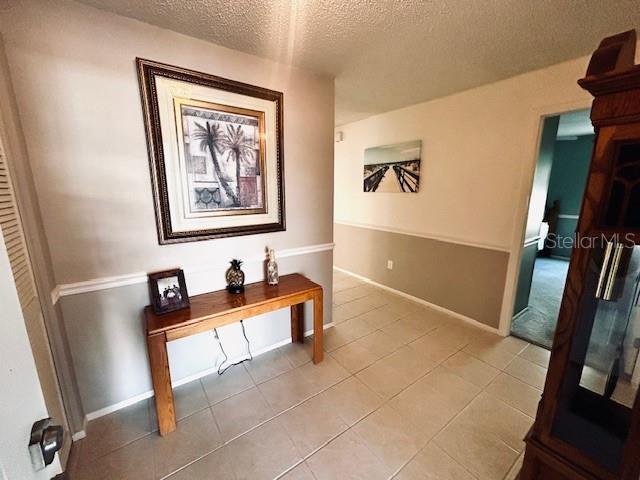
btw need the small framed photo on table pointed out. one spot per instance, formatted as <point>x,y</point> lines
<point>168,291</point>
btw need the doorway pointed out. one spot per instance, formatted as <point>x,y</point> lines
<point>556,197</point>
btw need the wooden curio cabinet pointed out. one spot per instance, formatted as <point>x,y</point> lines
<point>588,421</point>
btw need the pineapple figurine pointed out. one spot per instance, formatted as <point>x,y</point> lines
<point>235,277</point>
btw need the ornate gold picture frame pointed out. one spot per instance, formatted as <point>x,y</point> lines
<point>215,152</point>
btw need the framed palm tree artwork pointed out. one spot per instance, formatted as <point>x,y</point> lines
<point>215,151</point>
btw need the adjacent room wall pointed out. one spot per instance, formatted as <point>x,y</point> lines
<point>478,153</point>
<point>535,213</point>
<point>77,93</point>
<point>571,160</point>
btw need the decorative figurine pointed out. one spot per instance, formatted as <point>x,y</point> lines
<point>272,269</point>
<point>235,277</point>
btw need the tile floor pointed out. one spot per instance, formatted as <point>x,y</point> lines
<point>405,392</point>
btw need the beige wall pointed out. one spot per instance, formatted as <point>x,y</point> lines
<point>77,93</point>
<point>432,270</point>
<point>478,153</point>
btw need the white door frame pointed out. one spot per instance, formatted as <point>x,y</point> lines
<point>522,209</point>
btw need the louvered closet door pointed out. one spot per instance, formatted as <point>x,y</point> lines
<point>32,315</point>
<point>14,238</point>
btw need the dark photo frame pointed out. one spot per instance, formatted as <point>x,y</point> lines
<point>216,153</point>
<point>168,291</point>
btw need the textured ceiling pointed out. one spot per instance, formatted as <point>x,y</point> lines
<point>388,54</point>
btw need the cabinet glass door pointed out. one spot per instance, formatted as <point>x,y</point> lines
<point>624,197</point>
<point>603,373</point>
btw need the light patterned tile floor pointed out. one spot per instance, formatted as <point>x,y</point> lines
<point>404,392</point>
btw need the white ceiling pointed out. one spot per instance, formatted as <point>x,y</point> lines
<point>392,53</point>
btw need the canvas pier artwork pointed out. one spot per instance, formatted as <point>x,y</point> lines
<point>393,168</point>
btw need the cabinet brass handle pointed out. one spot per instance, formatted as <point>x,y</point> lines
<point>604,269</point>
<point>615,265</point>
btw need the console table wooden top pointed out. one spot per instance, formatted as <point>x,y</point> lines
<point>221,305</point>
<point>215,309</point>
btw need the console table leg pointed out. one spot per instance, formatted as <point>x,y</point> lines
<point>161,377</point>
<point>297,323</point>
<point>318,324</point>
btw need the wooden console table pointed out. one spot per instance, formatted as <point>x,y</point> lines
<point>213,310</point>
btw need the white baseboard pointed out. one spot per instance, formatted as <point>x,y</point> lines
<point>520,313</point>
<point>79,435</point>
<point>457,315</point>
<point>143,396</point>
<point>123,404</point>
